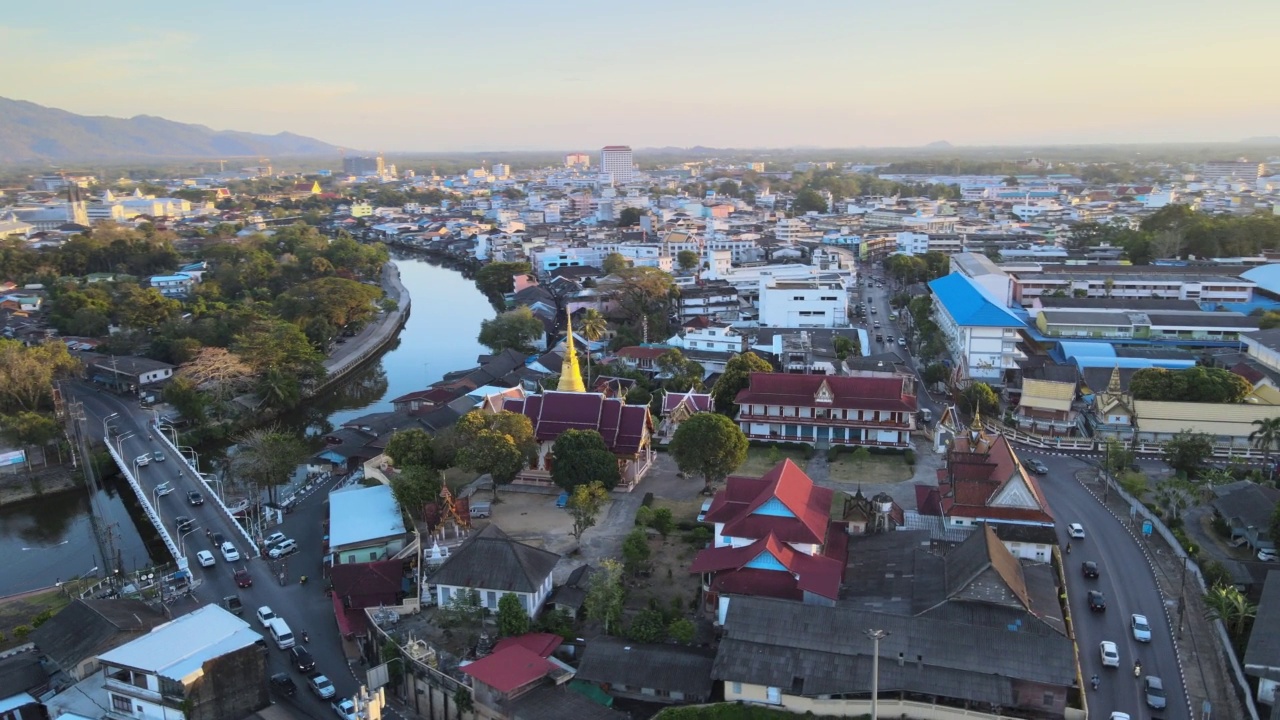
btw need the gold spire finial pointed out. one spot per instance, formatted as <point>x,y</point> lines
<point>1113,387</point>
<point>570,375</point>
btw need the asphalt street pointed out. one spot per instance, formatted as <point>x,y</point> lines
<point>878,297</point>
<point>1129,586</point>
<point>304,607</point>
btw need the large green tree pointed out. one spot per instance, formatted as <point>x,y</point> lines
<point>336,301</point>
<point>497,279</point>
<point>500,444</point>
<point>412,447</point>
<point>709,445</point>
<point>1187,452</point>
<point>414,487</point>
<point>614,263</point>
<point>735,378</point>
<point>979,397</point>
<point>584,505</point>
<point>268,457</point>
<point>27,373</point>
<point>1194,384</point>
<point>580,457</point>
<point>606,595</point>
<point>687,260</point>
<point>1266,437</point>
<point>516,329</point>
<point>512,618</point>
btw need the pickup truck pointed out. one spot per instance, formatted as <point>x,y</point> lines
<point>232,604</point>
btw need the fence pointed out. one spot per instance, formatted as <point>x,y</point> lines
<point>143,500</point>
<point>1237,673</point>
<point>427,685</point>
<point>217,499</point>
<point>1088,444</point>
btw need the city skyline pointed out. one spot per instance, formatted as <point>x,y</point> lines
<point>572,75</point>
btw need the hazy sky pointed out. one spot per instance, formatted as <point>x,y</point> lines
<point>563,74</point>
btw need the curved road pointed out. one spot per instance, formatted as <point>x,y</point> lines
<point>1129,584</point>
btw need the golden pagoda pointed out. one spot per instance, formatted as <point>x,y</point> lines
<point>570,375</point>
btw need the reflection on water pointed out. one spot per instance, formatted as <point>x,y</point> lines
<point>440,337</point>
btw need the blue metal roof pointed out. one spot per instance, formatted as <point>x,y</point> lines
<point>1266,276</point>
<point>970,304</point>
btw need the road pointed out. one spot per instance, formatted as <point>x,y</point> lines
<point>878,297</point>
<point>304,607</point>
<point>1129,585</point>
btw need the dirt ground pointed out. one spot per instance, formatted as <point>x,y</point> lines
<point>22,609</point>
<point>534,519</point>
<point>877,469</point>
<point>669,560</point>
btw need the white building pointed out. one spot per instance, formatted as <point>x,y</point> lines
<point>617,161</point>
<point>803,303</point>
<point>493,565</point>
<point>718,338</point>
<point>983,271</point>
<point>980,330</point>
<point>1224,171</point>
<point>1135,286</point>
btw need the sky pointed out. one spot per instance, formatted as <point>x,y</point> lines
<point>415,75</point>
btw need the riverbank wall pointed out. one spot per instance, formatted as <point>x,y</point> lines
<point>386,332</point>
<point>28,487</point>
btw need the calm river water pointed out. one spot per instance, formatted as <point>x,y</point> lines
<point>52,539</point>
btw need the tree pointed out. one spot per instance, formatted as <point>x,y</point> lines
<point>1118,458</point>
<point>935,373</point>
<point>497,279</point>
<point>614,263</point>
<point>629,217</point>
<point>1275,525</point>
<point>414,487</point>
<point>336,301</point>
<point>641,292</point>
<point>606,594</point>
<point>592,327</point>
<point>29,428</point>
<point>494,453</point>
<point>1194,384</point>
<point>687,259</point>
<point>979,397</point>
<point>1266,437</point>
<point>516,329</point>
<point>268,457</point>
<point>734,379</point>
<point>217,371</point>
<point>635,550</point>
<point>1173,495</point>
<point>845,347</point>
<point>679,373</point>
<point>1187,451</point>
<point>808,200</point>
<point>27,374</point>
<point>584,505</point>
<point>663,521</point>
<point>410,448</point>
<point>463,611</point>
<point>183,395</point>
<point>278,344</point>
<point>682,630</point>
<point>649,626</point>
<point>580,457</point>
<point>512,618</point>
<point>710,445</point>
<point>1228,604</point>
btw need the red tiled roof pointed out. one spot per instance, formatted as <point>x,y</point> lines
<point>1242,369</point>
<point>817,574</point>
<point>622,426</point>
<point>856,392</point>
<point>641,353</point>
<point>541,643</point>
<point>928,501</point>
<point>514,667</point>
<point>735,506</point>
<point>364,582</point>
<point>351,621</point>
<point>760,583</point>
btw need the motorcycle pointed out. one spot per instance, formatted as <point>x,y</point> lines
<point>1137,668</point>
<point>305,637</point>
<point>1095,682</point>
<point>302,580</point>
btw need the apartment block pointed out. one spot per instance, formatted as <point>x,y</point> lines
<point>807,303</point>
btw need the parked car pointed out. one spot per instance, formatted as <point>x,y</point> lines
<point>1267,555</point>
<point>287,547</point>
<point>1036,466</point>
<point>206,558</point>
<point>1076,531</point>
<point>232,604</point>
<point>321,686</point>
<point>1153,689</point>
<point>1089,569</point>
<point>1110,654</point>
<point>1097,601</point>
<point>283,684</point>
<point>182,523</point>
<point>195,498</point>
<point>702,514</point>
<point>157,456</point>
<point>243,578</point>
<point>229,552</point>
<point>1141,628</point>
<point>265,615</point>
<point>301,659</point>
<point>274,538</point>
<point>344,708</point>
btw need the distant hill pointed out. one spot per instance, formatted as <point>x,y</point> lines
<point>938,145</point>
<point>34,133</point>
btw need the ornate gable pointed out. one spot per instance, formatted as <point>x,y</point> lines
<point>1015,494</point>
<point>824,394</point>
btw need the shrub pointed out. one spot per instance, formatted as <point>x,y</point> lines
<point>42,618</point>
<point>662,521</point>
<point>644,516</point>
<point>910,457</point>
<point>649,626</point>
<point>21,632</point>
<point>699,536</point>
<point>1215,574</point>
<point>682,630</point>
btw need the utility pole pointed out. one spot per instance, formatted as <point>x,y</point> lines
<point>1182,596</point>
<point>876,636</point>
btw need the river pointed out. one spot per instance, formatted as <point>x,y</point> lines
<point>51,539</point>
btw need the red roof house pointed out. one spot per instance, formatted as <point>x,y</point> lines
<point>874,409</point>
<point>774,538</point>
<point>626,429</point>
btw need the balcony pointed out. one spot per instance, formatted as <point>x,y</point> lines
<point>744,416</point>
<point>780,437</point>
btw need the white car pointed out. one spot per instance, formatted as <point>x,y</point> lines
<point>266,615</point>
<point>1141,628</point>
<point>1267,555</point>
<point>1076,530</point>
<point>1110,655</point>
<point>229,552</point>
<point>284,548</point>
<point>1117,715</point>
<point>702,514</point>
<point>142,460</point>
<point>273,538</point>
<point>206,558</point>
<point>344,708</point>
<point>163,489</point>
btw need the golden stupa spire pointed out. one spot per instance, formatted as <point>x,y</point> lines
<point>570,376</point>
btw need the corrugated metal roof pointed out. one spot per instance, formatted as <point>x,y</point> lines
<point>179,649</point>
<point>1217,419</point>
<point>970,304</point>
<point>1047,394</point>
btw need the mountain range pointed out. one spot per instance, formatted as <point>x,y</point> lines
<point>31,133</point>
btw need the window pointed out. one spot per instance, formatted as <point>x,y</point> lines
<point>1048,699</point>
<point>737,688</point>
<point>120,703</point>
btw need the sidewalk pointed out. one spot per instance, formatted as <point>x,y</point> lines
<point>356,349</point>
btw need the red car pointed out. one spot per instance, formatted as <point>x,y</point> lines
<point>243,579</point>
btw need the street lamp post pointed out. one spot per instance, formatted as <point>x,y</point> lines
<point>155,499</point>
<point>876,636</point>
<point>182,541</point>
<point>120,443</point>
<point>106,423</point>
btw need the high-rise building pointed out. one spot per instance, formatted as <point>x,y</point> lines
<point>363,165</point>
<point>500,170</point>
<point>617,161</point>
<point>573,160</point>
<point>1240,170</point>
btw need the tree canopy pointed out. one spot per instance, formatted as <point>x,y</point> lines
<point>709,445</point>
<point>498,278</point>
<point>735,378</point>
<point>580,457</point>
<point>1194,384</point>
<point>979,397</point>
<point>27,374</point>
<point>516,329</point>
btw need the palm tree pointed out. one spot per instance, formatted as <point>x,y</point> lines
<point>1228,604</point>
<point>1266,437</point>
<point>593,327</point>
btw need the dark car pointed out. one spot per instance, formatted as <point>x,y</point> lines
<point>1153,689</point>
<point>232,604</point>
<point>1036,466</point>
<point>182,523</point>
<point>195,498</point>
<point>243,578</point>
<point>218,539</point>
<point>301,659</point>
<point>1097,602</point>
<point>283,684</point>
<point>1089,568</point>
